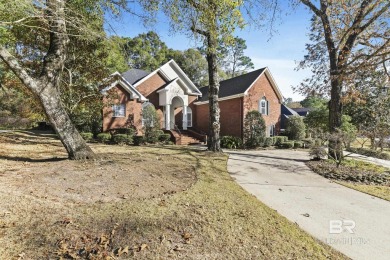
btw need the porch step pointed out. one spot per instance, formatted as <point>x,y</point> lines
<point>184,138</point>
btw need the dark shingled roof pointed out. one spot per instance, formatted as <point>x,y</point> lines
<point>134,75</point>
<point>233,86</point>
<point>288,111</point>
<point>302,111</point>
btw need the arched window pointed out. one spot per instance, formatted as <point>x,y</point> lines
<point>147,120</point>
<point>189,117</point>
<point>264,106</point>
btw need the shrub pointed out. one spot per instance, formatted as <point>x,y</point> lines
<point>254,129</point>
<point>384,156</point>
<point>269,141</point>
<point>122,139</point>
<point>369,152</point>
<point>231,142</point>
<point>287,145</point>
<point>164,138</point>
<point>308,142</point>
<point>151,124</point>
<point>295,128</point>
<point>87,136</point>
<point>103,137</point>
<point>298,144</point>
<point>124,131</point>
<point>317,152</point>
<point>279,140</point>
<point>138,140</point>
<point>317,142</point>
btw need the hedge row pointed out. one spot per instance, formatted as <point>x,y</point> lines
<point>123,138</point>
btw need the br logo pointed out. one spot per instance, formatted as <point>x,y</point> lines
<point>339,226</point>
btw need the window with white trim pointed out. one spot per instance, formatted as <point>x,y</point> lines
<point>264,106</point>
<point>189,117</point>
<point>119,110</point>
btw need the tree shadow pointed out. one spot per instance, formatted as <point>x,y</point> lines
<point>26,159</point>
<point>255,156</point>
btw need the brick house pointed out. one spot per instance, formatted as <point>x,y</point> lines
<point>181,105</point>
<point>255,90</point>
<point>168,89</point>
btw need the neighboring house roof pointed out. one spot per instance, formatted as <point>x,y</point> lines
<point>288,111</point>
<point>239,86</point>
<point>302,111</point>
<point>171,71</point>
<point>134,75</point>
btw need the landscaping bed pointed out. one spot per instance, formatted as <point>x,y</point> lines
<point>140,202</point>
<point>359,175</point>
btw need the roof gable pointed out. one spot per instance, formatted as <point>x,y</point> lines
<point>171,71</point>
<point>117,79</point>
<point>240,85</point>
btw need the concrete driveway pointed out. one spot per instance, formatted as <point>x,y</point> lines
<point>328,211</point>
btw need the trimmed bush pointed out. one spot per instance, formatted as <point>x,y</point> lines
<point>87,136</point>
<point>138,140</point>
<point>254,129</point>
<point>124,131</point>
<point>317,142</point>
<point>231,142</point>
<point>317,152</point>
<point>122,139</point>
<point>103,137</point>
<point>287,145</point>
<point>164,138</point>
<point>269,141</point>
<point>278,140</point>
<point>308,142</point>
<point>369,152</point>
<point>298,144</point>
<point>295,128</point>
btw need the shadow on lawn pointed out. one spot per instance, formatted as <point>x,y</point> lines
<point>26,159</point>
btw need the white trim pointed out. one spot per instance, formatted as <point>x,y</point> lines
<point>125,84</point>
<point>272,81</point>
<point>220,99</point>
<point>160,70</point>
<point>166,89</point>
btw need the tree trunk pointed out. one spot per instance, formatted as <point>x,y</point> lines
<point>74,144</point>
<point>213,142</point>
<point>335,115</point>
<point>46,86</point>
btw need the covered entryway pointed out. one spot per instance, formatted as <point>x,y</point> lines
<point>174,100</point>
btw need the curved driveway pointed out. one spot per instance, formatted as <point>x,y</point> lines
<point>326,210</point>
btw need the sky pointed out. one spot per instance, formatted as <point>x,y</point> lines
<point>280,53</point>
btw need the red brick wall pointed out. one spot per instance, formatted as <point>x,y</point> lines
<point>230,117</point>
<point>263,87</point>
<point>118,95</point>
<point>233,111</point>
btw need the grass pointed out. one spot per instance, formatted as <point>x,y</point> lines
<point>366,144</point>
<point>359,175</point>
<point>213,219</point>
<point>382,192</point>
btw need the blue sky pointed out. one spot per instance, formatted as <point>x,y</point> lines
<point>279,53</point>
